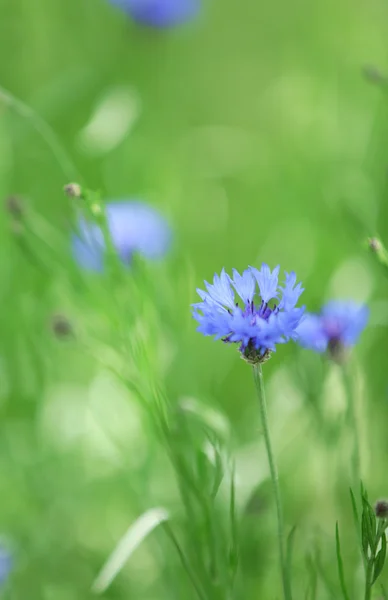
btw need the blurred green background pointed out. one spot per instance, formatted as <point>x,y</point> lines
<point>256,130</point>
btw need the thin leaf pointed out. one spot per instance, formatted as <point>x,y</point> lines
<point>380,558</point>
<point>210,417</point>
<point>368,525</point>
<point>133,537</point>
<point>325,580</point>
<point>340,564</point>
<point>384,592</point>
<point>184,561</point>
<point>233,553</point>
<point>290,548</point>
<point>313,578</point>
<point>355,511</point>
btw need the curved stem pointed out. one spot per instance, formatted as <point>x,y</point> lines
<point>353,426</point>
<point>259,381</point>
<point>43,129</point>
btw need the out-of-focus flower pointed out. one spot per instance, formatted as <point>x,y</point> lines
<point>257,320</point>
<point>61,326</point>
<point>337,327</point>
<point>15,206</point>
<point>159,13</point>
<point>381,509</point>
<point>5,564</point>
<point>134,227</point>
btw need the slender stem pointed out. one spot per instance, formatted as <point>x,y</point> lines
<point>368,580</point>
<point>353,426</point>
<point>259,381</point>
<point>184,562</point>
<point>43,129</point>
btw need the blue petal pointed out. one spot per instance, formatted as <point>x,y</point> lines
<point>221,291</point>
<point>244,285</point>
<point>291,294</point>
<point>242,329</point>
<point>212,322</point>
<point>344,320</point>
<point>134,227</point>
<point>5,564</point>
<point>267,281</point>
<point>311,334</point>
<point>159,13</point>
<point>88,246</point>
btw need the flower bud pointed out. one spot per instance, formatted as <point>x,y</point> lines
<point>14,206</point>
<point>381,509</point>
<point>61,326</point>
<point>374,75</point>
<point>375,245</point>
<point>73,190</point>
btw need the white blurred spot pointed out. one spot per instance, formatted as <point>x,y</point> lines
<point>112,119</point>
<point>352,280</point>
<point>208,415</point>
<point>134,536</point>
<point>334,395</point>
<point>103,418</point>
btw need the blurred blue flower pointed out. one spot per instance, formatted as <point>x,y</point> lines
<point>257,320</point>
<point>134,226</point>
<point>159,13</point>
<point>338,326</point>
<point>5,564</point>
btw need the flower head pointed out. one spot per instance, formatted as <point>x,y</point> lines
<point>335,329</point>
<point>159,13</point>
<point>134,227</point>
<point>381,509</point>
<point>250,309</point>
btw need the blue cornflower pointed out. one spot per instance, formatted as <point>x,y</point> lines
<point>337,327</point>
<point>5,564</point>
<point>159,13</point>
<point>134,227</point>
<point>264,314</point>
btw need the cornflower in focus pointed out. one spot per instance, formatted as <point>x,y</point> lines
<point>159,13</point>
<point>134,227</point>
<point>335,329</point>
<point>264,314</point>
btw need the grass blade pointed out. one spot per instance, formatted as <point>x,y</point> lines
<point>133,537</point>
<point>340,564</point>
<point>380,559</point>
<point>290,548</point>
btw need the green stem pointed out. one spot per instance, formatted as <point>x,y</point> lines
<point>353,426</point>
<point>259,381</point>
<point>43,129</point>
<point>368,580</point>
<point>184,562</point>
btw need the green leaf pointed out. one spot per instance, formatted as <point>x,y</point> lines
<point>355,511</point>
<point>340,564</point>
<point>324,578</point>
<point>233,552</point>
<point>368,527</point>
<point>380,558</point>
<point>384,592</point>
<point>313,585</point>
<point>290,548</point>
<point>126,546</point>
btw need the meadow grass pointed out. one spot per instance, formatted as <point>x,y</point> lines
<point>124,433</point>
